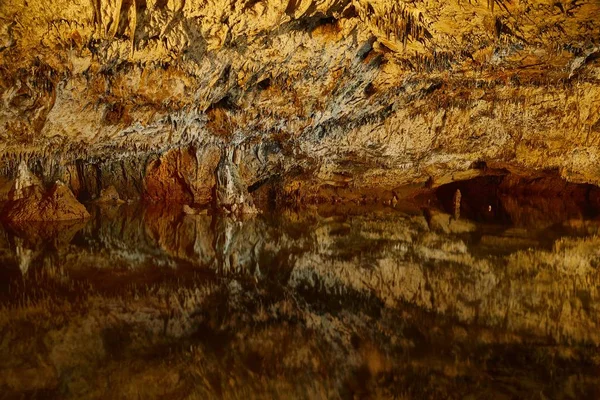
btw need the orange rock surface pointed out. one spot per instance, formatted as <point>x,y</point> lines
<point>29,201</point>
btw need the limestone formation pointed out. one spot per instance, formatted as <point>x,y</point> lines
<point>30,201</point>
<point>456,200</point>
<point>330,99</point>
<point>227,107</point>
<point>24,184</point>
<point>231,194</point>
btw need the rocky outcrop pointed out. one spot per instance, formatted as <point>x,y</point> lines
<point>30,201</point>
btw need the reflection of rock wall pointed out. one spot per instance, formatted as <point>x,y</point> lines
<point>546,293</point>
<point>184,237</point>
<point>296,305</point>
<point>231,192</point>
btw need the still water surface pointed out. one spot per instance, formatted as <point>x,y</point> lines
<point>143,302</point>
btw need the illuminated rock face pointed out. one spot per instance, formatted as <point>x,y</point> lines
<point>326,96</point>
<point>30,201</point>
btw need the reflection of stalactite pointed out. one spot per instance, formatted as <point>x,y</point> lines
<point>235,245</point>
<point>226,231</point>
<point>24,255</point>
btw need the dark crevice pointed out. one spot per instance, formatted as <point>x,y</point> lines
<point>370,90</point>
<point>324,21</point>
<point>309,24</point>
<point>113,114</point>
<point>225,103</point>
<point>350,12</point>
<point>366,48</point>
<point>510,199</point>
<point>161,4</point>
<point>291,7</point>
<point>264,84</point>
<point>250,4</point>
<point>124,17</point>
<point>261,182</point>
<point>224,78</point>
<point>432,88</point>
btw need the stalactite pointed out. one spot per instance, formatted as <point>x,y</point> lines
<point>115,19</point>
<point>133,25</point>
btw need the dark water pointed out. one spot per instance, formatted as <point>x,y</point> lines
<point>407,303</point>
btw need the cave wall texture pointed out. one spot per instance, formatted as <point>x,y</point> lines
<point>326,98</point>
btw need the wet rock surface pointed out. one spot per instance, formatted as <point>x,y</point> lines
<point>327,303</point>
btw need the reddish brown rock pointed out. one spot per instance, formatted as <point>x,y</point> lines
<point>29,201</point>
<point>56,204</point>
<point>165,181</point>
<point>182,176</point>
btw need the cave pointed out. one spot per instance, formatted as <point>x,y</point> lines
<point>299,199</point>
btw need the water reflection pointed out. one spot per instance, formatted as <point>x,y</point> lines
<point>149,302</point>
<point>506,200</point>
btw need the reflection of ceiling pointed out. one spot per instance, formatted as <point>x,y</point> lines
<point>450,267</point>
<point>139,295</point>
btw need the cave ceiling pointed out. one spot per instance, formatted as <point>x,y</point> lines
<point>388,90</point>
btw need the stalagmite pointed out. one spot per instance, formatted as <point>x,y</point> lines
<point>24,182</point>
<point>350,125</point>
<point>456,202</point>
<point>231,194</point>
